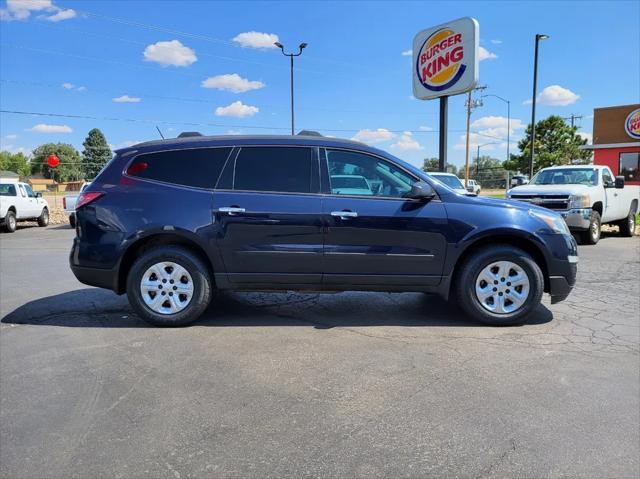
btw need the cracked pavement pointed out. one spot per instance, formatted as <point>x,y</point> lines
<point>335,385</point>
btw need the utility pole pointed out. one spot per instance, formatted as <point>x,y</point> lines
<point>573,118</point>
<point>470,104</point>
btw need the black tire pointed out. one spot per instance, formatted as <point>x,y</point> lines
<point>43,219</point>
<point>196,268</point>
<point>465,284</point>
<point>592,235</point>
<point>72,220</point>
<point>10,222</point>
<point>628,225</point>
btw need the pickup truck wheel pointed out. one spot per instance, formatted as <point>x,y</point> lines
<point>43,219</point>
<point>10,222</point>
<point>169,286</point>
<point>628,225</point>
<point>592,235</point>
<point>499,285</point>
<point>72,220</point>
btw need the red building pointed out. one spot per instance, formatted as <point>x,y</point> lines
<point>616,140</point>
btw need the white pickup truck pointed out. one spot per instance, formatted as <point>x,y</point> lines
<point>69,205</point>
<point>586,196</point>
<point>18,202</point>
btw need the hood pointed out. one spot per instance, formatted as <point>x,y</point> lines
<point>549,189</point>
<point>504,203</point>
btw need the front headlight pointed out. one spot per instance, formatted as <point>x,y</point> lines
<point>579,201</point>
<point>555,222</point>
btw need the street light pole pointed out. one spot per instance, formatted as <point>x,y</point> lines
<point>539,36</point>
<point>508,120</point>
<point>301,47</point>
<point>478,157</point>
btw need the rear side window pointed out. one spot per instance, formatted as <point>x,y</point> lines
<point>278,169</point>
<point>7,190</point>
<point>200,167</point>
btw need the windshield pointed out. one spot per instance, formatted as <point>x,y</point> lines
<point>449,180</point>
<point>566,176</point>
<point>7,189</point>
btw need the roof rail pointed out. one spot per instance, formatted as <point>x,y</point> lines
<point>187,134</point>
<point>308,133</point>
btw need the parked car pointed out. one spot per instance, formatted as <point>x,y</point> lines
<point>169,221</point>
<point>451,180</point>
<point>585,196</point>
<point>519,180</point>
<point>473,187</point>
<point>18,202</point>
<point>69,205</point>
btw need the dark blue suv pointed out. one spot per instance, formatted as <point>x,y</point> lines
<point>169,221</point>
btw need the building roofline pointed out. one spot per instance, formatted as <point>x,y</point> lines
<point>610,145</point>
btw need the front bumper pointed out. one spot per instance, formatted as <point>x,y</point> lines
<point>577,218</point>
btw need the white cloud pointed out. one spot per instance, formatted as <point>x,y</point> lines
<point>233,132</point>
<point>256,40</point>
<point>407,53</point>
<point>425,128</point>
<point>555,95</point>
<point>171,53</point>
<point>587,136</point>
<point>22,10</point>
<point>68,86</point>
<point>13,136</point>
<point>406,142</point>
<point>82,88</point>
<point>496,41</point>
<point>237,109</point>
<point>44,128</point>
<point>61,15</point>
<point>373,136</point>
<point>490,132</point>
<point>232,82</point>
<point>126,99</point>
<point>484,54</point>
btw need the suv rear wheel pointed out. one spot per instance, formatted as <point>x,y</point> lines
<point>169,286</point>
<point>10,222</point>
<point>500,285</point>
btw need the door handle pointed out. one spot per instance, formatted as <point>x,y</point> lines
<point>231,210</point>
<point>343,215</point>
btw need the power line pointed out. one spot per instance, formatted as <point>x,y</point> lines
<point>217,125</point>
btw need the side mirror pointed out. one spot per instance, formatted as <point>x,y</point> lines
<point>38,195</point>
<point>421,190</point>
<point>619,182</point>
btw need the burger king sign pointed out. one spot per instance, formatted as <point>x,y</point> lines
<point>445,59</point>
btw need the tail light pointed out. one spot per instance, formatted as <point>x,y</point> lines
<point>87,197</point>
<point>64,202</point>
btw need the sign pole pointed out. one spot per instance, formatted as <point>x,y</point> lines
<point>444,113</point>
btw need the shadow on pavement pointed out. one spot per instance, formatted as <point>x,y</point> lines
<point>92,307</point>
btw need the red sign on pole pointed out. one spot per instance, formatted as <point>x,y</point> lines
<point>53,161</point>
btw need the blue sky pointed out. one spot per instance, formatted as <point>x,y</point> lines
<point>174,63</point>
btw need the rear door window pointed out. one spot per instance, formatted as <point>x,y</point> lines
<point>277,169</point>
<point>197,167</point>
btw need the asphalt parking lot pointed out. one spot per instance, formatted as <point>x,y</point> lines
<point>290,385</point>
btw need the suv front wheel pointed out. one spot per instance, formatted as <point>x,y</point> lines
<point>500,285</point>
<point>169,286</point>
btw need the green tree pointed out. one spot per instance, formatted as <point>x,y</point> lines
<point>70,167</point>
<point>16,162</point>
<point>96,153</point>
<point>433,164</point>
<point>556,144</point>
